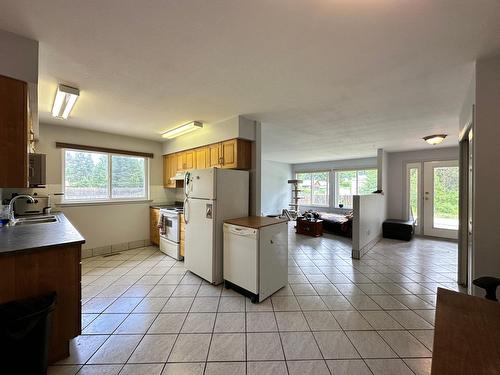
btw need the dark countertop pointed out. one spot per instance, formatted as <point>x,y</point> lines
<point>159,205</point>
<point>26,238</point>
<point>165,204</point>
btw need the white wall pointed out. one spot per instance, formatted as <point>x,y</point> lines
<point>19,60</point>
<point>276,191</point>
<point>103,224</point>
<point>22,61</point>
<point>367,222</point>
<point>396,177</point>
<point>383,176</point>
<point>234,127</point>
<point>256,172</point>
<point>332,166</point>
<point>486,212</point>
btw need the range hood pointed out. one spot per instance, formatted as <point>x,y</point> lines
<point>179,176</point>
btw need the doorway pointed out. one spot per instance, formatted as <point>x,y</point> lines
<point>432,197</point>
<point>441,199</point>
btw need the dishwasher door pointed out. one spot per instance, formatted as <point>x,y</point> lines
<point>241,257</point>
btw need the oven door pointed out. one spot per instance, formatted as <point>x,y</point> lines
<point>172,226</point>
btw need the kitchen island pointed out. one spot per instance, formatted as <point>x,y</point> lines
<point>36,259</point>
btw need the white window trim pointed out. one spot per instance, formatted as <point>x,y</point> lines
<point>110,200</point>
<point>336,197</point>
<point>406,184</point>
<point>328,196</point>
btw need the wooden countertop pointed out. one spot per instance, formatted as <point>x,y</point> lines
<point>255,222</point>
<point>467,335</point>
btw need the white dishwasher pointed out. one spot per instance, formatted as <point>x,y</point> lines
<point>255,256</point>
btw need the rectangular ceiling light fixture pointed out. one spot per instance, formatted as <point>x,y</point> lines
<point>64,101</point>
<point>183,129</point>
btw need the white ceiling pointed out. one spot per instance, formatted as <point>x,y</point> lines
<point>329,79</point>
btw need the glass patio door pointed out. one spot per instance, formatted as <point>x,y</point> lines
<point>440,199</point>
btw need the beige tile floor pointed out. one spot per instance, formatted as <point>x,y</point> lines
<point>143,313</point>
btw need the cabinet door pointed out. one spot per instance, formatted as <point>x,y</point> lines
<point>189,159</point>
<point>166,171</point>
<point>154,232</point>
<point>214,155</point>
<point>200,156</point>
<point>173,169</point>
<point>181,160</point>
<point>229,154</point>
<point>169,170</point>
<point>13,133</point>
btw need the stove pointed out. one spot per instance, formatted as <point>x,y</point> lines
<point>170,216</point>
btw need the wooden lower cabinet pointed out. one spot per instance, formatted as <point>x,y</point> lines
<point>154,232</point>
<point>183,234</point>
<point>36,272</point>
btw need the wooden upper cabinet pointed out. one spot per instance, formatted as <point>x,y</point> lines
<point>214,155</point>
<point>236,154</point>
<point>201,157</point>
<point>181,161</point>
<point>189,159</point>
<point>169,170</point>
<point>166,172</point>
<point>231,154</point>
<point>13,133</point>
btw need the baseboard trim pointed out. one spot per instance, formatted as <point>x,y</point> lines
<point>114,248</point>
<point>358,254</point>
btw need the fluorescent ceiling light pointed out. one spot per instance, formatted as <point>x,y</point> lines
<point>435,139</point>
<point>64,101</point>
<point>183,129</point>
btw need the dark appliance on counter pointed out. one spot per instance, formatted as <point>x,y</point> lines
<point>37,170</point>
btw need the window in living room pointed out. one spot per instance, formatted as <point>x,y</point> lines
<point>353,182</point>
<point>314,188</point>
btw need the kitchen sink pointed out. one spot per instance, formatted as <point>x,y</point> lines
<point>36,220</point>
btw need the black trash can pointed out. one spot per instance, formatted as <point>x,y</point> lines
<point>25,327</point>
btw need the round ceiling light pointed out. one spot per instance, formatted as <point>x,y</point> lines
<point>435,139</point>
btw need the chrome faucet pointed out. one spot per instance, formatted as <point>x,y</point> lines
<point>12,219</point>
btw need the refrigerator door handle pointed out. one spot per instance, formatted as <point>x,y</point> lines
<point>187,184</point>
<point>186,210</point>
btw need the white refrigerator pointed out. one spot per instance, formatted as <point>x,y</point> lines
<point>211,196</point>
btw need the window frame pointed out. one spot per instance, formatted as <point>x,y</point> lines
<point>418,166</point>
<point>329,172</point>
<point>110,198</point>
<point>336,171</point>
